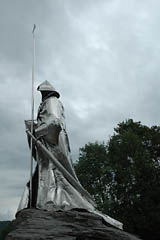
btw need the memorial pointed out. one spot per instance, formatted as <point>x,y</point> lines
<point>55,205</point>
<point>55,184</point>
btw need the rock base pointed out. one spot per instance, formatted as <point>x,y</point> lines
<point>35,224</point>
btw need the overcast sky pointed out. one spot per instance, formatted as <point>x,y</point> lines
<point>103,56</point>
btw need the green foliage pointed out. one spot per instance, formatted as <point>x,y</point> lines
<point>92,171</point>
<point>124,177</point>
<point>5,228</point>
<point>134,154</point>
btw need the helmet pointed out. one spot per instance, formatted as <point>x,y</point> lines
<point>47,87</point>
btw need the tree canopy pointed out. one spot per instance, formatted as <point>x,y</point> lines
<point>123,176</point>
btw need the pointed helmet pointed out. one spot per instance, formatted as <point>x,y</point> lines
<point>47,87</point>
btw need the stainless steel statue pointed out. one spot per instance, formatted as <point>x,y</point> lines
<point>54,187</point>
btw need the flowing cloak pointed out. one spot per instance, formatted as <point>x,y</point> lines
<point>51,190</point>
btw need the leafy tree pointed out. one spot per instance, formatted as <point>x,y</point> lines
<point>134,154</point>
<point>92,171</point>
<point>125,179</point>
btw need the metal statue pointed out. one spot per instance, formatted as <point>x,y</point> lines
<point>55,185</point>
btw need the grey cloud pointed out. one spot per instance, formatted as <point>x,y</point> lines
<point>102,56</point>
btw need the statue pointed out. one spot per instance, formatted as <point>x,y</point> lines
<point>55,184</point>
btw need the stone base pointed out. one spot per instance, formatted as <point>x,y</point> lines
<point>38,224</point>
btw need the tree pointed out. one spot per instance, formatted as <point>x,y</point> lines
<point>92,170</point>
<point>130,169</point>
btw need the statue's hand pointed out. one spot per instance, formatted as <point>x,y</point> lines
<point>28,124</point>
<point>41,131</point>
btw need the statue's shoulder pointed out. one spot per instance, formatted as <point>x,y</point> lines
<point>53,105</point>
<point>52,101</point>
<point>55,101</point>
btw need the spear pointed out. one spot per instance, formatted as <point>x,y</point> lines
<point>32,113</point>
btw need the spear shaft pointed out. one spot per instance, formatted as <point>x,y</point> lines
<point>32,114</point>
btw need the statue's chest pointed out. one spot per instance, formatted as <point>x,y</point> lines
<point>42,112</point>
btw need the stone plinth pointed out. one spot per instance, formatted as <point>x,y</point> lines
<point>37,224</point>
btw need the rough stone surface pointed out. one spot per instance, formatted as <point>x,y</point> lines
<point>37,224</point>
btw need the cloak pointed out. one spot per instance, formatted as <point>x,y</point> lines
<point>51,190</point>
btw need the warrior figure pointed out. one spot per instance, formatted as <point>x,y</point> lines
<point>51,190</point>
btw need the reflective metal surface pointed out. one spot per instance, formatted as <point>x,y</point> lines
<point>46,86</point>
<point>52,190</point>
